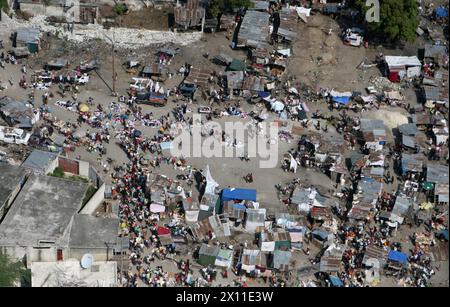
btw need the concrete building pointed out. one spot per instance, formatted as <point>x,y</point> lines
<point>71,274</point>
<point>12,179</point>
<point>96,236</point>
<point>36,227</point>
<point>41,162</point>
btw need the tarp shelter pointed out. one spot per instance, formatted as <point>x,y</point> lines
<point>255,218</point>
<point>281,260</point>
<point>341,97</point>
<point>238,194</point>
<point>397,256</point>
<point>211,184</point>
<point>157,208</point>
<point>208,254</point>
<point>399,66</point>
<point>441,12</point>
<point>224,258</point>
<point>237,65</point>
<point>235,79</point>
<point>191,210</point>
<point>336,281</point>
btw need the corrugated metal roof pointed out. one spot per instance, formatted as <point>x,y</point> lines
<point>437,173</point>
<point>254,27</point>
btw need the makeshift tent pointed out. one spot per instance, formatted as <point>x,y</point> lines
<point>277,106</point>
<point>335,281</point>
<point>441,12</point>
<point>398,257</point>
<point>211,184</point>
<point>157,208</point>
<point>208,254</point>
<point>238,194</point>
<point>224,258</point>
<point>236,65</point>
<point>255,219</point>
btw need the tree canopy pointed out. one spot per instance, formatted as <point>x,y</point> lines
<point>216,7</point>
<point>10,271</point>
<point>398,19</point>
<point>4,5</point>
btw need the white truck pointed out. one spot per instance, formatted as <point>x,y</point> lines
<point>11,135</point>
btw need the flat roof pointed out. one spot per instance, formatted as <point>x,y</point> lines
<point>93,232</point>
<point>41,211</point>
<point>39,160</point>
<point>10,177</point>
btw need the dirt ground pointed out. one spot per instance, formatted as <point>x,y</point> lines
<point>319,60</point>
<point>147,18</point>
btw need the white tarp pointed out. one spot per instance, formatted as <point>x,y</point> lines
<point>395,61</point>
<point>192,216</point>
<point>293,165</point>
<point>211,184</point>
<point>303,10</point>
<point>334,93</point>
<point>285,52</point>
<point>277,106</point>
<point>267,246</point>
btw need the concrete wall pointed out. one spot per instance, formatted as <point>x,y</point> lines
<point>32,254</point>
<point>99,254</point>
<point>52,166</point>
<point>41,9</point>
<point>95,201</point>
<point>83,169</point>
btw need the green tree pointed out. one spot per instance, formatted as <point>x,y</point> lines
<point>120,8</point>
<point>398,19</point>
<point>217,8</point>
<point>11,271</point>
<point>4,6</point>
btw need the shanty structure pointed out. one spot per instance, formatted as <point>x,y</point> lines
<point>254,30</point>
<point>29,38</point>
<point>190,15</point>
<point>400,67</point>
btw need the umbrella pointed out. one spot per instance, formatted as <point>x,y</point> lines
<point>427,186</point>
<point>137,133</point>
<point>83,108</point>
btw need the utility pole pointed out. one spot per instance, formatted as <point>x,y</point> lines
<point>114,77</point>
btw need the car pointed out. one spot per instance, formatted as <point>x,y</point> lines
<point>11,135</point>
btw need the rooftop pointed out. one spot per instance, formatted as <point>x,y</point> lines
<point>39,160</point>
<point>42,211</point>
<point>92,232</point>
<point>10,178</point>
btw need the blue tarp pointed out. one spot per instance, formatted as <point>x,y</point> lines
<point>239,194</point>
<point>335,281</point>
<point>441,12</point>
<point>398,256</point>
<point>341,99</point>
<point>165,145</point>
<point>263,94</point>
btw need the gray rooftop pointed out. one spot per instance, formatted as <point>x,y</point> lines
<point>42,211</point>
<point>39,160</point>
<point>92,232</point>
<point>437,173</point>
<point>408,129</point>
<point>254,28</point>
<point>372,124</point>
<point>10,178</point>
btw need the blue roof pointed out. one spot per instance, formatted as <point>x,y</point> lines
<point>441,12</point>
<point>398,256</point>
<point>341,99</point>
<point>239,194</point>
<point>335,281</point>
